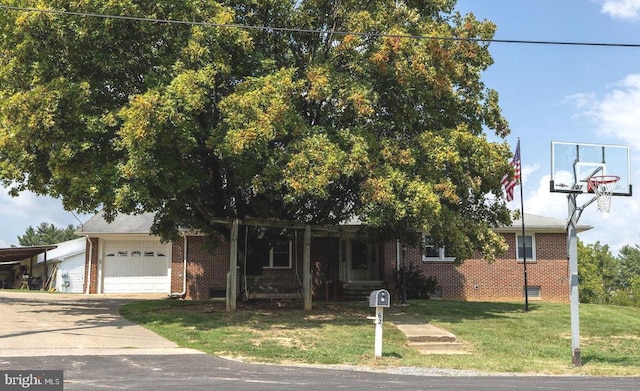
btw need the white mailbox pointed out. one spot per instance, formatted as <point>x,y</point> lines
<point>379,298</point>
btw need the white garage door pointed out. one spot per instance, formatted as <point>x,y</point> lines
<point>136,266</point>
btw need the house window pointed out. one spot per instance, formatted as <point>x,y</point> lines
<point>433,251</point>
<point>529,248</point>
<point>280,256</point>
<point>534,292</point>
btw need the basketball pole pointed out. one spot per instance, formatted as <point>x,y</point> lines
<point>572,248</point>
<point>572,244</point>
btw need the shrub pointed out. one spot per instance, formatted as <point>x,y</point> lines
<point>418,285</point>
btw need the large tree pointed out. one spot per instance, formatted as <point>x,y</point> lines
<point>295,120</point>
<point>46,233</point>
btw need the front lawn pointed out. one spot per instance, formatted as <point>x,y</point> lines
<point>501,336</point>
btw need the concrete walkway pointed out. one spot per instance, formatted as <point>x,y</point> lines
<point>426,338</point>
<point>44,324</point>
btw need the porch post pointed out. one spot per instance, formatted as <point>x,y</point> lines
<point>232,276</point>
<point>306,268</point>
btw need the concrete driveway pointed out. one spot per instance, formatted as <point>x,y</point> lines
<point>44,324</point>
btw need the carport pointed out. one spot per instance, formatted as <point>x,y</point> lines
<point>17,264</point>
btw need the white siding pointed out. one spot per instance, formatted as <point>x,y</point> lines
<point>73,267</point>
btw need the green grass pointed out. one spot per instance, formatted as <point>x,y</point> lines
<point>506,338</point>
<point>501,337</point>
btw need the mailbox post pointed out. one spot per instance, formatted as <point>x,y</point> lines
<point>380,299</point>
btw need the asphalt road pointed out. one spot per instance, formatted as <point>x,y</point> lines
<point>201,372</point>
<point>99,350</point>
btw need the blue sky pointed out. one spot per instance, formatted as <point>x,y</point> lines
<point>547,93</point>
<point>568,93</point>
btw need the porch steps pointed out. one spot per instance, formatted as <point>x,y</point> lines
<point>360,290</point>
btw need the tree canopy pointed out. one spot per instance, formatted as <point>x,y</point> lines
<point>45,234</point>
<point>295,120</point>
<point>608,279</point>
<point>627,277</point>
<point>597,272</point>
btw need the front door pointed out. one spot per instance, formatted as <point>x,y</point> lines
<point>362,261</point>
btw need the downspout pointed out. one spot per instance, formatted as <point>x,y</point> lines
<point>184,273</point>
<point>398,255</point>
<point>90,260</point>
<point>46,275</point>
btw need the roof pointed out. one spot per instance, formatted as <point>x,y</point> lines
<point>122,224</point>
<point>11,254</point>
<point>141,224</point>
<point>541,224</point>
<point>65,250</point>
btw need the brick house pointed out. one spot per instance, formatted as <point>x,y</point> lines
<point>122,257</point>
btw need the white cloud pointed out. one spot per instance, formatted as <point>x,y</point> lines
<point>29,209</point>
<point>582,101</point>
<point>528,171</point>
<point>617,113</point>
<point>26,204</point>
<point>621,9</point>
<point>544,203</point>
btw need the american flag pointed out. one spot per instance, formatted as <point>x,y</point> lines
<point>510,183</point>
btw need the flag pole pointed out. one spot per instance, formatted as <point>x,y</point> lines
<point>524,252</point>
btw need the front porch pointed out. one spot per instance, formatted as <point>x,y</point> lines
<point>335,265</point>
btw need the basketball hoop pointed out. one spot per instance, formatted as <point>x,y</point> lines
<point>603,186</point>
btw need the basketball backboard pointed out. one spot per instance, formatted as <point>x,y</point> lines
<point>572,164</point>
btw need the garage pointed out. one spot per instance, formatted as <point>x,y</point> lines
<point>136,266</point>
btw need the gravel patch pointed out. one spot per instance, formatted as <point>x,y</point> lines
<point>411,371</point>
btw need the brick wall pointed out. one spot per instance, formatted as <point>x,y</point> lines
<point>207,266</point>
<point>91,263</point>
<point>503,280</point>
<point>177,266</point>
<point>390,263</point>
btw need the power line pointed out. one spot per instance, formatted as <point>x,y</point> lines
<point>317,31</point>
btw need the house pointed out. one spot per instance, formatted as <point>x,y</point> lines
<point>64,266</point>
<point>270,260</point>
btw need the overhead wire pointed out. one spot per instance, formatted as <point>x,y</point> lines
<point>276,29</point>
